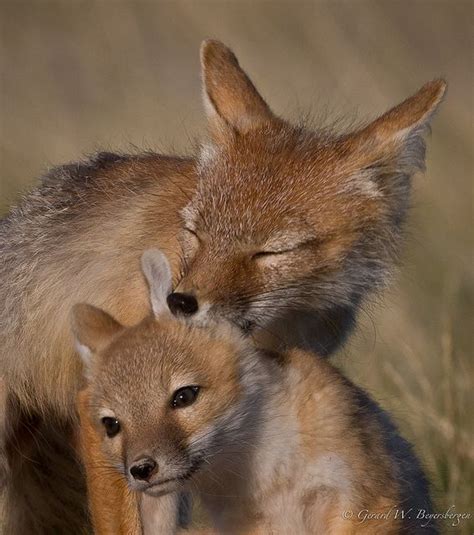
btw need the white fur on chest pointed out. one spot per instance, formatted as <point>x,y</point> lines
<point>288,492</point>
<point>294,508</point>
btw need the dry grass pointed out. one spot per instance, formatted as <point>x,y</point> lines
<point>430,395</point>
<point>112,73</point>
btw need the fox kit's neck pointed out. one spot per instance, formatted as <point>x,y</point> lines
<point>302,461</point>
<point>244,473</point>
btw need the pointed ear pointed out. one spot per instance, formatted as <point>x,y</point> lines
<point>157,271</point>
<point>230,98</point>
<point>398,133</point>
<point>93,330</point>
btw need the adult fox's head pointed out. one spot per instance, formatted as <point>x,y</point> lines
<point>285,219</point>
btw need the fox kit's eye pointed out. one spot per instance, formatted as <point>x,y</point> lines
<point>183,397</point>
<point>112,426</point>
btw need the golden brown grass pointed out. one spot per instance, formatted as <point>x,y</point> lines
<point>429,394</point>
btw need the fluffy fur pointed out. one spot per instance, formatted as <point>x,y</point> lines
<point>274,443</point>
<point>274,227</point>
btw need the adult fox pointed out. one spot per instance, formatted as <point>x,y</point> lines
<point>275,227</point>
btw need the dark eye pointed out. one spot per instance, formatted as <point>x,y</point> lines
<point>262,254</point>
<point>112,426</point>
<point>183,397</point>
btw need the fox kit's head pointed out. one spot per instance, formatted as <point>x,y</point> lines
<point>286,218</point>
<point>165,396</point>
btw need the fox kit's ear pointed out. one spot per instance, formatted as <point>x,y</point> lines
<point>230,98</point>
<point>398,132</point>
<point>93,330</point>
<point>157,271</point>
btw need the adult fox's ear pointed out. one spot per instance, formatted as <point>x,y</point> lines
<point>396,137</point>
<point>230,98</point>
<point>93,330</point>
<point>157,271</point>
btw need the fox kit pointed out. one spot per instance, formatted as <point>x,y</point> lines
<point>274,227</point>
<point>271,442</point>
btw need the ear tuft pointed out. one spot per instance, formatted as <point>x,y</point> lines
<point>157,271</point>
<point>230,98</point>
<point>93,330</point>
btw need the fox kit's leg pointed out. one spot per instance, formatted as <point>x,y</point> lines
<point>113,507</point>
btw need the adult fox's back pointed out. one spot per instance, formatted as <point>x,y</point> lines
<point>80,234</point>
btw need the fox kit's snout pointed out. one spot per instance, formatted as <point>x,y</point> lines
<point>162,391</point>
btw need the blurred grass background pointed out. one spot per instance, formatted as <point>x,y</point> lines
<point>82,75</point>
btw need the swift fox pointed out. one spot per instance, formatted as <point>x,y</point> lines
<point>277,228</point>
<point>271,442</point>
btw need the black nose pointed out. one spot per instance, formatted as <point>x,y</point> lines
<point>182,304</point>
<point>143,468</point>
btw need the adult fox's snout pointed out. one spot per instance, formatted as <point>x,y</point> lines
<point>212,287</point>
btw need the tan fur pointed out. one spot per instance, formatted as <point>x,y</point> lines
<point>330,204</point>
<point>135,203</point>
<point>310,454</point>
<point>105,271</point>
<point>274,443</point>
<point>113,507</point>
<point>230,98</point>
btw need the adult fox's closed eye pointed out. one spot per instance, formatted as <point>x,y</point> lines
<point>309,223</point>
